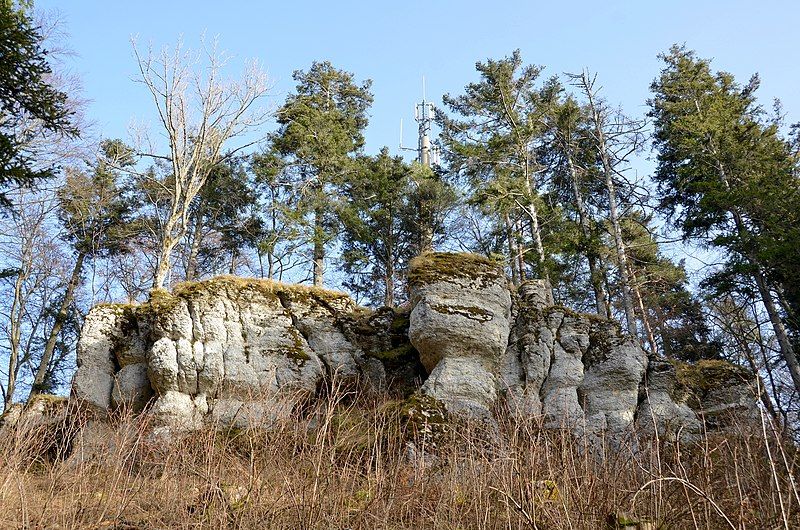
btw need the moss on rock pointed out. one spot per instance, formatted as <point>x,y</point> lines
<point>396,357</point>
<point>706,375</point>
<point>443,266</point>
<point>424,418</point>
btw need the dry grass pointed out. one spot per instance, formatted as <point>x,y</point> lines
<point>344,463</point>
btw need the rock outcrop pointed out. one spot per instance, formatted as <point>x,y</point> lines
<point>576,371</point>
<point>234,351</point>
<point>228,350</point>
<point>460,325</point>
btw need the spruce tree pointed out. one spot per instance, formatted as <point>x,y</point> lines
<point>25,93</point>
<point>727,178</point>
<point>321,129</point>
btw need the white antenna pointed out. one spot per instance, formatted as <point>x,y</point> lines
<point>423,115</point>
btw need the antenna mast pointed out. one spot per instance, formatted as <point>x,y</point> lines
<point>423,115</point>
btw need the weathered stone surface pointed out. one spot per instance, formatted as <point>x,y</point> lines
<point>466,385</point>
<point>663,409</point>
<point>576,371</point>
<point>132,387</point>
<point>614,369</point>
<point>94,379</point>
<point>459,324</point>
<point>718,392</point>
<point>228,341</point>
<point>242,352</point>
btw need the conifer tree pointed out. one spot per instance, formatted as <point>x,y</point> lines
<point>94,214</point>
<point>727,178</point>
<point>376,242</point>
<point>492,134</point>
<point>25,93</point>
<point>321,129</point>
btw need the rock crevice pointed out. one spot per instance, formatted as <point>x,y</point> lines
<point>234,351</point>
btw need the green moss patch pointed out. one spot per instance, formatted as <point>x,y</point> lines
<point>471,312</point>
<point>235,286</point>
<point>705,375</point>
<point>396,357</point>
<point>443,266</point>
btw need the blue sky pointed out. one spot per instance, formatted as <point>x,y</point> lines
<point>396,43</point>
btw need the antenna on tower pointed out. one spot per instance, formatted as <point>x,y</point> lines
<point>423,115</point>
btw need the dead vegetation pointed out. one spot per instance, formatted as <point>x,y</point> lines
<point>346,462</point>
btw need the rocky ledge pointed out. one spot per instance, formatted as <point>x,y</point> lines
<point>236,351</point>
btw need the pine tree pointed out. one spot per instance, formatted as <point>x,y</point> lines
<point>321,128</point>
<point>491,138</point>
<point>613,138</point>
<point>572,160</point>
<point>376,244</point>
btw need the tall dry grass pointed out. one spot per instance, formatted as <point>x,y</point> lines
<point>344,462</point>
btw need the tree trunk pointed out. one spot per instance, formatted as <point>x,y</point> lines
<point>598,122</point>
<point>319,248</point>
<point>595,280</point>
<point>619,243</point>
<point>536,232</point>
<point>173,232</point>
<point>622,256</point>
<point>14,340</point>
<point>194,249</point>
<point>164,263</point>
<point>520,253</point>
<point>763,396</point>
<point>61,317</point>
<point>780,332</point>
<point>512,250</point>
<point>425,227</point>
<point>388,299</point>
<point>651,338</point>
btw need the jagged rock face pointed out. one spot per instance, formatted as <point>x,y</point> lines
<point>231,351</point>
<point>577,371</point>
<point>459,324</point>
<point>228,350</point>
<point>663,409</point>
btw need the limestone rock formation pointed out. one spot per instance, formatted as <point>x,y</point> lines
<point>229,350</point>
<point>235,351</point>
<point>576,371</point>
<point>460,326</point>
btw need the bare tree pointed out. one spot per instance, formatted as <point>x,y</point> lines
<point>33,273</point>
<point>615,138</point>
<point>200,112</point>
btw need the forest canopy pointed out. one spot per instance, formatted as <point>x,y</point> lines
<point>539,172</point>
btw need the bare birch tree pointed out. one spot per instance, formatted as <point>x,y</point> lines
<point>200,112</point>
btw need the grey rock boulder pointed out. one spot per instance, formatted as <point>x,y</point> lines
<point>459,324</point>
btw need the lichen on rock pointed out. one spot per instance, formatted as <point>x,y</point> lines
<point>238,352</point>
<point>227,340</point>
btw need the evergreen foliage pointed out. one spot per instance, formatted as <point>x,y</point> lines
<point>25,93</point>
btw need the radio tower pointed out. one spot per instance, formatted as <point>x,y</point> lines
<point>423,115</point>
